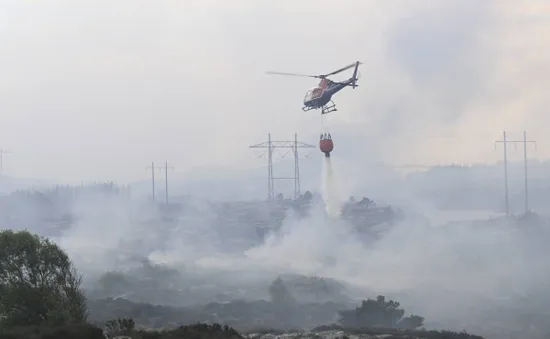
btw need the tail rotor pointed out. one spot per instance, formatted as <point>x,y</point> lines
<point>355,75</point>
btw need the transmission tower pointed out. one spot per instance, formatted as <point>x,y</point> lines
<point>165,168</point>
<point>505,141</point>
<point>290,145</point>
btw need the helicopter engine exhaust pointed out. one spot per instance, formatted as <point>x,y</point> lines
<point>325,144</point>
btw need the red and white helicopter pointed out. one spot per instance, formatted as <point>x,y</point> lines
<point>320,97</point>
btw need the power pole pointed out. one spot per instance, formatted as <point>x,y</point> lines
<point>270,184</point>
<point>525,141</point>
<point>2,153</point>
<point>505,141</point>
<point>291,145</point>
<point>296,168</point>
<point>166,167</point>
<point>153,168</point>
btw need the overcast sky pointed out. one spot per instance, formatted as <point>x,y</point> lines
<point>97,89</point>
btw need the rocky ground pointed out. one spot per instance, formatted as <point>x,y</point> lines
<point>341,334</point>
<point>318,335</point>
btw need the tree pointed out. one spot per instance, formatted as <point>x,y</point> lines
<point>38,283</point>
<point>379,313</point>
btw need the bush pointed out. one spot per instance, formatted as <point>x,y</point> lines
<point>72,331</point>
<point>86,331</point>
<point>119,327</point>
<point>198,331</point>
<point>379,313</point>
<point>38,283</point>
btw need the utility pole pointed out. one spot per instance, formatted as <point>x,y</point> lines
<point>153,178</point>
<point>292,146</point>
<point>166,167</point>
<point>2,153</point>
<point>296,168</point>
<point>505,141</point>
<point>525,141</point>
<point>506,173</point>
<point>153,168</point>
<point>270,184</point>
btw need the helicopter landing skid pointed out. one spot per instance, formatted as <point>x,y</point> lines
<point>330,107</point>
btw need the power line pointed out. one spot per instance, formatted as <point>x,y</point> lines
<point>384,165</point>
<point>505,141</point>
<point>291,145</point>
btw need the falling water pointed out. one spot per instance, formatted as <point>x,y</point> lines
<point>329,190</point>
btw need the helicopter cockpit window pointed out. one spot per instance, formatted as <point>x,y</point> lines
<point>309,95</point>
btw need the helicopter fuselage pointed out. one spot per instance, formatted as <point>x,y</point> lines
<point>321,95</point>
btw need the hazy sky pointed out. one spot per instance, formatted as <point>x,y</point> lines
<point>98,89</point>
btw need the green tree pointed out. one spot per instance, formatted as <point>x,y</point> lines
<point>38,283</point>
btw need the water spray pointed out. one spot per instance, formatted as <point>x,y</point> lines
<point>329,189</point>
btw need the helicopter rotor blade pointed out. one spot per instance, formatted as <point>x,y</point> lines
<point>358,76</point>
<point>294,74</point>
<point>342,69</point>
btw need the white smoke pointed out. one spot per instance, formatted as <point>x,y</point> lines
<point>441,273</point>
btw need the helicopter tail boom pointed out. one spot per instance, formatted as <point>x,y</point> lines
<point>354,77</point>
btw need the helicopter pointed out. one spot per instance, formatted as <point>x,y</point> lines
<point>320,97</point>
